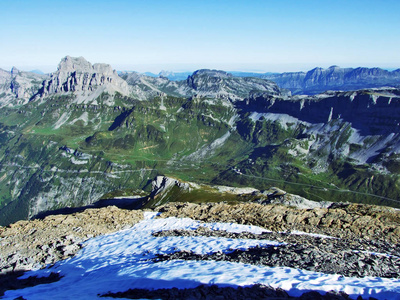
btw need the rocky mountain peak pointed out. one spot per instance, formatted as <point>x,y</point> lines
<point>212,73</point>
<point>76,74</point>
<point>14,71</point>
<point>18,87</point>
<point>220,84</point>
<point>80,64</point>
<point>165,73</point>
<point>70,64</point>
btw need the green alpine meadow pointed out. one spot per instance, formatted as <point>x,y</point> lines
<point>86,133</point>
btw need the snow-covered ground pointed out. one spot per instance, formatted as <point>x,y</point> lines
<point>120,261</point>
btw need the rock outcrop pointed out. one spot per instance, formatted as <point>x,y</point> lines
<point>207,292</point>
<point>371,111</point>
<point>18,87</point>
<point>31,244</point>
<point>203,83</point>
<point>340,220</point>
<point>26,245</point>
<point>215,83</point>
<point>79,75</point>
<point>165,189</point>
<point>360,125</point>
<point>363,241</point>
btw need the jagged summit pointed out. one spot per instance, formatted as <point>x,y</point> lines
<point>14,71</point>
<point>80,64</point>
<point>17,87</point>
<point>212,73</point>
<point>69,64</point>
<point>76,74</point>
<point>217,83</point>
<point>173,76</point>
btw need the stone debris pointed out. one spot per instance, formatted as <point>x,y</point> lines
<point>27,245</point>
<point>212,292</point>
<point>326,255</point>
<point>345,221</point>
<point>360,240</point>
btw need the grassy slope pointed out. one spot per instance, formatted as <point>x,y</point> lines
<point>122,141</point>
<point>136,140</point>
<point>270,164</point>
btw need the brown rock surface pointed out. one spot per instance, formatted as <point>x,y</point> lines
<point>29,244</point>
<point>341,220</point>
<point>36,243</point>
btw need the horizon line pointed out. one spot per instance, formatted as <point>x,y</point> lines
<point>273,68</point>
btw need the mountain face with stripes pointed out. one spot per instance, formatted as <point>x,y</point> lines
<point>335,78</point>
<point>85,133</point>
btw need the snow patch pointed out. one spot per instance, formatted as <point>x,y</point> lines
<point>148,215</point>
<point>78,161</point>
<point>233,120</point>
<point>235,190</point>
<point>122,260</point>
<point>330,114</point>
<point>312,234</point>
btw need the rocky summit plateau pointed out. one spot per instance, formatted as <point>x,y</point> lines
<point>347,246</point>
<point>251,186</point>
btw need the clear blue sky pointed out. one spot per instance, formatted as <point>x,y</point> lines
<point>146,35</point>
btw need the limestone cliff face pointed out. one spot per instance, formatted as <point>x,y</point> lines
<point>79,75</point>
<point>372,112</point>
<point>319,80</point>
<point>24,85</point>
<point>214,83</point>
<point>202,83</point>
<point>18,87</point>
<point>362,126</point>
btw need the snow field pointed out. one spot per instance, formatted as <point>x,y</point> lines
<point>120,261</point>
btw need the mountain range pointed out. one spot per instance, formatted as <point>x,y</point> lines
<point>85,133</point>
<point>318,80</point>
<point>335,78</point>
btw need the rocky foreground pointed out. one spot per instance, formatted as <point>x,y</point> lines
<point>26,245</point>
<point>347,239</point>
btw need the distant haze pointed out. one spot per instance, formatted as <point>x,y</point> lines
<point>254,36</point>
<point>178,68</point>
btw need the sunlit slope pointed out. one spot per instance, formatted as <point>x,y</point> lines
<point>58,154</point>
<point>76,142</point>
<point>337,146</point>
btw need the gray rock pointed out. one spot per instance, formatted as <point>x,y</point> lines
<point>327,255</point>
<point>77,75</point>
<point>319,80</point>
